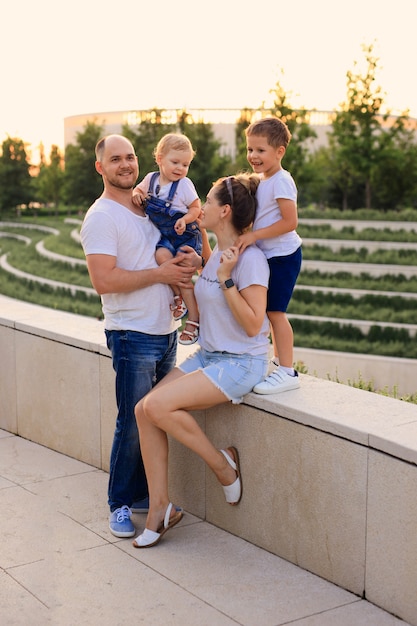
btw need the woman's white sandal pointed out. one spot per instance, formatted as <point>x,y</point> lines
<point>150,538</point>
<point>233,492</point>
<point>193,334</point>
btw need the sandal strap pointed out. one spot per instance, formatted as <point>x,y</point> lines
<point>229,459</point>
<point>196,324</point>
<point>167,515</point>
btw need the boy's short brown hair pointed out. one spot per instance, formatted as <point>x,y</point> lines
<point>274,129</point>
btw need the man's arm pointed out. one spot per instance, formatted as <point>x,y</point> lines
<point>106,277</point>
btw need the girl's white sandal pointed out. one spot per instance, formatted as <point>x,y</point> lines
<point>192,334</point>
<point>178,307</point>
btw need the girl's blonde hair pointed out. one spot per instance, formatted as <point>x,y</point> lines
<point>173,141</point>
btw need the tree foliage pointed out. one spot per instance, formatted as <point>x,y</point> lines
<point>49,182</point>
<point>298,155</point>
<point>367,154</point>
<point>15,178</point>
<point>369,162</point>
<point>82,184</point>
<point>208,163</point>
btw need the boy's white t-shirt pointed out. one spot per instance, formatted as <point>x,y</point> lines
<point>110,228</point>
<point>184,196</point>
<point>280,185</point>
<point>219,331</point>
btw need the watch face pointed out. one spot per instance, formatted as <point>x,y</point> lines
<point>228,283</point>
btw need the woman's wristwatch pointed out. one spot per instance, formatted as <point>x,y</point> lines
<point>227,284</point>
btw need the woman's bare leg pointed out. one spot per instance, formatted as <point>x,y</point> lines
<point>159,414</point>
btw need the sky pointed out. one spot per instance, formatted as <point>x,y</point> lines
<point>66,58</point>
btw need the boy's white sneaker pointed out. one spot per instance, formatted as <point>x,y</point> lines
<point>278,381</point>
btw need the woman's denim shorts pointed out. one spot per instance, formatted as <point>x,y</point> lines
<point>234,374</point>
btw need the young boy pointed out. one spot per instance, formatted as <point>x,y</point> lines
<point>274,232</point>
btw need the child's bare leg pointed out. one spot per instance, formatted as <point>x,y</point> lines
<point>193,316</point>
<point>162,255</point>
<point>283,377</point>
<point>282,338</point>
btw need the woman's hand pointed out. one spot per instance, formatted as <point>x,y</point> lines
<point>228,260</point>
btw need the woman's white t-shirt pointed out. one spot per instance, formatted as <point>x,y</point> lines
<point>219,331</point>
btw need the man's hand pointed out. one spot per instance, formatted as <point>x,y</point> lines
<point>175,272</point>
<point>189,257</point>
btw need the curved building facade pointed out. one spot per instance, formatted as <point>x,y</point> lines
<point>223,122</point>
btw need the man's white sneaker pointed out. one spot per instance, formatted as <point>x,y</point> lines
<point>278,381</point>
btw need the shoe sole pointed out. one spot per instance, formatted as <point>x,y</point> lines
<point>173,521</point>
<point>267,392</point>
<point>122,535</point>
<point>273,390</point>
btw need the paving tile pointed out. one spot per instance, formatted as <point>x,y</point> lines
<point>23,462</point>
<point>81,497</point>
<point>359,613</point>
<point>31,529</point>
<point>18,606</point>
<point>60,565</point>
<point>106,586</point>
<point>244,582</point>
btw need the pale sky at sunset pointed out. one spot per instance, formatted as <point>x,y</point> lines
<point>67,58</point>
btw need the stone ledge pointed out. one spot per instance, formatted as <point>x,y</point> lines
<point>329,471</point>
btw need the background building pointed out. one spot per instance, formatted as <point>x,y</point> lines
<point>223,122</point>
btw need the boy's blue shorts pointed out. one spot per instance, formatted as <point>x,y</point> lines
<point>283,275</point>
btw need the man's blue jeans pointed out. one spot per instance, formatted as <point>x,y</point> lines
<point>140,361</point>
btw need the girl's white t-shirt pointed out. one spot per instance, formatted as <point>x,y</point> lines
<point>219,331</point>
<point>184,196</point>
<point>280,185</point>
<point>111,228</point>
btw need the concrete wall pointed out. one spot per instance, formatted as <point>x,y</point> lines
<point>329,472</point>
<point>394,375</point>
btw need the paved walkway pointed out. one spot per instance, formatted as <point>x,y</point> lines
<point>60,565</point>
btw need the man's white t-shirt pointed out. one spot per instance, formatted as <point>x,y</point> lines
<point>111,228</point>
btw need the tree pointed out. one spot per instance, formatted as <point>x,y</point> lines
<point>208,164</point>
<point>299,150</point>
<point>394,180</point>
<point>241,161</point>
<point>362,143</point>
<point>50,180</point>
<point>150,130</point>
<point>15,178</point>
<point>298,153</point>
<point>82,184</point>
